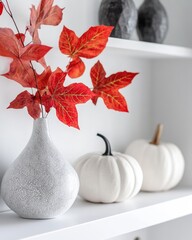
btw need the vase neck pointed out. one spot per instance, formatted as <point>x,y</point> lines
<point>40,128</point>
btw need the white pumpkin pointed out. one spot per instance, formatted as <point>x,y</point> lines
<point>162,163</point>
<point>109,177</point>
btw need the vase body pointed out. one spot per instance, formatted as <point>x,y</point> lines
<point>40,184</point>
<point>122,14</point>
<point>152,25</point>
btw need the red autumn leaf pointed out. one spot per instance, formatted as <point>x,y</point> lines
<point>107,87</point>
<point>42,62</point>
<point>47,102</point>
<point>21,101</point>
<point>33,28</point>
<point>113,100</point>
<point>93,42</point>
<point>67,113</point>
<point>65,98</point>
<point>9,44</point>
<point>42,79</point>
<point>68,41</point>
<point>34,109</point>
<point>21,38</point>
<point>74,93</point>
<point>34,52</point>
<point>45,14</point>
<point>76,68</point>
<point>49,14</point>
<point>11,47</point>
<point>50,82</point>
<point>22,73</point>
<point>89,45</point>
<point>56,80</point>
<point>25,99</point>
<point>1,7</point>
<point>98,74</point>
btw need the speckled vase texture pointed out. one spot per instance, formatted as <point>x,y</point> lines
<point>122,14</point>
<point>152,25</point>
<point>40,183</point>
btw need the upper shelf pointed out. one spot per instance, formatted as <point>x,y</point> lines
<point>149,50</point>
<point>101,221</point>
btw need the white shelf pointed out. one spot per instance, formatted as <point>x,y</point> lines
<point>148,50</point>
<point>101,221</point>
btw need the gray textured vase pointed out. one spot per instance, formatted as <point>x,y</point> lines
<point>122,14</point>
<point>40,184</point>
<point>152,25</point>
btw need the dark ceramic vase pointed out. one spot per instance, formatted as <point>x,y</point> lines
<point>122,14</point>
<point>152,25</point>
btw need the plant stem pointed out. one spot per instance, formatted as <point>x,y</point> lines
<point>107,145</point>
<point>13,19</point>
<point>40,99</point>
<point>157,135</point>
<point>9,12</point>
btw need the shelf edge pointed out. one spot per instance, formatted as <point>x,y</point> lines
<point>153,50</point>
<point>109,227</point>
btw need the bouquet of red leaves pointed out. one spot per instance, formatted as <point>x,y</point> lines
<point>48,89</point>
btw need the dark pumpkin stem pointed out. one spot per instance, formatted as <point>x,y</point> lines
<point>157,136</point>
<point>107,144</point>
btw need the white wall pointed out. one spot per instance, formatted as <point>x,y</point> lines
<point>172,100</point>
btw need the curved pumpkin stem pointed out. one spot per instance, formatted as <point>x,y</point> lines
<point>107,144</point>
<point>157,137</point>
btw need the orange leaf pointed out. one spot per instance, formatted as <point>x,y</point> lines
<point>113,100</point>
<point>76,68</point>
<point>56,80</point>
<point>98,74</point>
<point>114,81</point>
<point>89,45</point>
<point>67,114</point>
<point>68,41</point>
<point>93,42</point>
<point>65,98</point>
<point>107,87</point>
<point>74,93</point>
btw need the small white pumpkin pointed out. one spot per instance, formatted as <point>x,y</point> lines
<point>162,163</point>
<point>109,177</point>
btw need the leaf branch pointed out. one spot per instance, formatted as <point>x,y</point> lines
<point>9,12</point>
